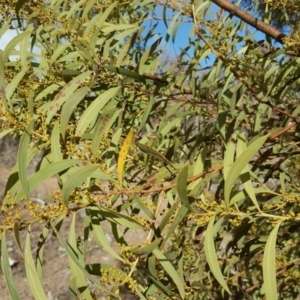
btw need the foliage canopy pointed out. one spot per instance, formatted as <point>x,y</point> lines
<point>199,156</point>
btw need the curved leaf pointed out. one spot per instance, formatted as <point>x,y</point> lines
<point>22,160</point>
<point>91,112</point>
<point>182,187</point>
<point>69,106</point>
<point>238,166</point>
<point>34,281</point>
<point>211,256</point>
<point>76,272</point>
<point>6,269</point>
<point>75,180</point>
<point>269,265</point>
<point>168,267</point>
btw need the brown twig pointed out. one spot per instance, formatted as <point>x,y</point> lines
<point>252,21</point>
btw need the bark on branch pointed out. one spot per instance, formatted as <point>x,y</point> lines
<point>249,19</point>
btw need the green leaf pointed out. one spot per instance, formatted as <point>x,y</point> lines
<point>148,150</point>
<point>117,218</point>
<point>126,73</point>
<point>245,175</point>
<point>75,180</point>
<point>17,236</point>
<point>55,144</point>
<point>238,166</point>
<point>13,43</point>
<point>76,272</point>
<point>173,27</point>
<point>22,160</point>
<point>6,269</point>
<point>211,256</point>
<point>200,162</point>
<point>101,128</point>
<point>91,112</point>
<point>34,281</point>
<point>105,14</point>
<point>49,90</point>
<point>179,217</point>
<point>284,72</point>
<point>69,106</point>
<point>58,51</point>
<point>19,5</point>
<point>66,93</point>
<point>147,113</point>
<point>144,207</point>
<point>229,157</point>
<point>2,82</point>
<point>40,251</point>
<point>47,172</point>
<point>73,9</point>
<point>146,54</point>
<point>116,27</point>
<point>168,267</point>
<point>165,221</point>
<point>147,249</point>
<point>5,132</point>
<point>182,187</point>
<point>99,235</point>
<point>73,256</point>
<point>269,265</point>
<point>125,34</point>
<point>13,84</point>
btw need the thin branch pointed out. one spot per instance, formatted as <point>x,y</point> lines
<point>252,21</point>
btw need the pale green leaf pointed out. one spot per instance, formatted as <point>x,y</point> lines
<point>182,187</point>
<point>76,272</point>
<point>105,14</point>
<point>67,92</point>
<point>91,112</point>
<point>55,144</point>
<point>200,162</point>
<point>99,235</point>
<point>211,255</point>
<point>5,132</point>
<point>49,90</point>
<point>73,256</point>
<point>13,43</point>
<point>34,281</point>
<point>147,113</point>
<point>40,251</point>
<point>13,84</point>
<point>47,172</point>
<point>118,218</point>
<point>101,127</point>
<point>269,265</point>
<point>238,166</point>
<point>75,180</point>
<point>2,81</point>
<point>7,272</point>
<point>59,51</point>
<point>148,150</point>
<point>168,267</point>
<point>176,221</point>
<point>69,106</point>
<point>145,250</point>
<point>22,160</point>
